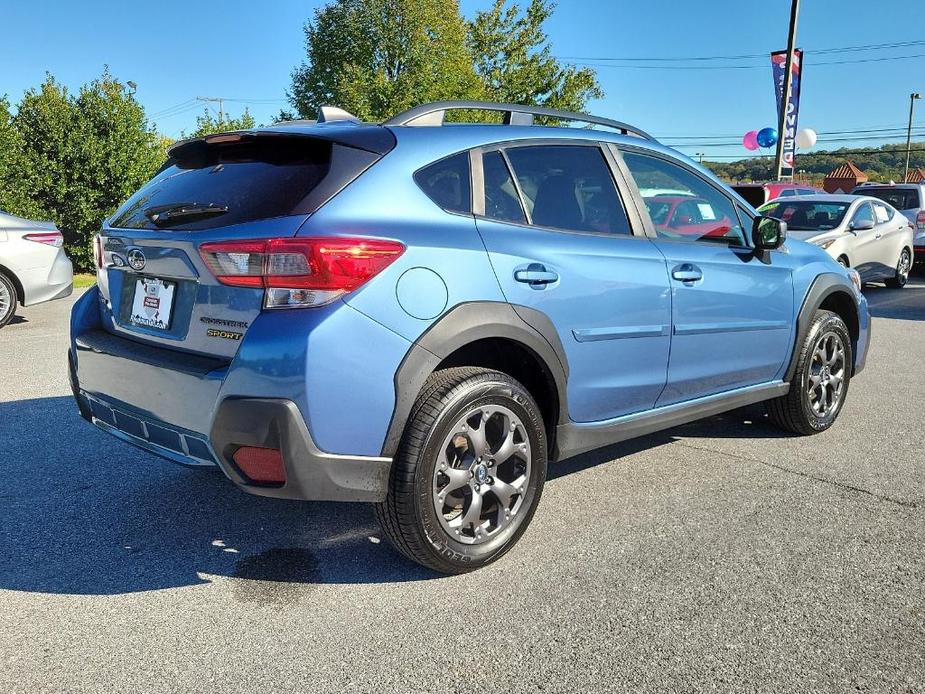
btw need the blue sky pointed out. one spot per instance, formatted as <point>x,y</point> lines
<point>246,51</point>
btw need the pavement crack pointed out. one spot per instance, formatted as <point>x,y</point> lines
<point>905,503</point>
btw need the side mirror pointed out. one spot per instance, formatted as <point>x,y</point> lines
<point>863,225</point>
<point>768,233</point>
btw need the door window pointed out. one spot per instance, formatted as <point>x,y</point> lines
<point>502,202</point>
<point>568,187</point>
<point>883,213</point>
<point>683,206</point>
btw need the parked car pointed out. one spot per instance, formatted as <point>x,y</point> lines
<point>858,231</point>
<point>423,317</point>
<point>908,198</point>
<point>757,194</point>
<point>686,215</point>
<point>33,265</point>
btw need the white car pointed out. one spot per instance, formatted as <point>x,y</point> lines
<point>859,231</point>
<point>33,265</point>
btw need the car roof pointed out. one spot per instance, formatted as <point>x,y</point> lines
<point>824,197</point>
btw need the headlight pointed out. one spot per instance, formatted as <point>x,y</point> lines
<point>855,278</point>
<point>824,244</point>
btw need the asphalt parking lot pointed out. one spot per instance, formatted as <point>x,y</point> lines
<point>718,556</point>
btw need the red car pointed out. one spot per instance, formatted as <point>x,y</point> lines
<point>757,194</point>
<point>687,215</point>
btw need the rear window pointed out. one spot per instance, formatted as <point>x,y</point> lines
<point>228,183</point>
<point>900,198</point>
<point>753,195</point>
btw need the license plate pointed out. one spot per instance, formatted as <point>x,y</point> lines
<point>152,303</point>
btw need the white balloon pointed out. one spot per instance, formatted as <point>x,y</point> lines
<point>806,138</point>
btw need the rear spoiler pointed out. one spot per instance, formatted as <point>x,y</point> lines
<point>370,138</point>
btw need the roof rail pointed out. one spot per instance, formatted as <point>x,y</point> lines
<point>514,114</point>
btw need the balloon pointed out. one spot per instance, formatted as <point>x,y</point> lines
<point>767,137</point>
<point>806,138</point>
<point>750,141</point>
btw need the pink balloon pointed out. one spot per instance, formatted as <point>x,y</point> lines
<point>750,141</point>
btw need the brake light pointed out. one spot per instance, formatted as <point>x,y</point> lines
<point>300,271</point>
<point>98,251</point>
<point>920,219</point>
<point>49,238</point>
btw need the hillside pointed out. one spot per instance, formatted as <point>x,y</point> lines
<point>880,164</point>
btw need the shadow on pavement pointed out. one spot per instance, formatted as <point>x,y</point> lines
<point>83,513</point>
<point>902,304</point>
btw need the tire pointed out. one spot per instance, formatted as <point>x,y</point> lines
<point>821,374</point>
<point>438,463</point>
<point>7,300</point>
<point>903,266</point>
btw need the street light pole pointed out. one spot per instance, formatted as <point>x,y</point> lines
<point>912,97</point>
<point>700,156</point>
<point>788,85</point>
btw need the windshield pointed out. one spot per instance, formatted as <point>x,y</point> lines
<point>900,198</point>
<point>245,181</point>
<point>807,216</point>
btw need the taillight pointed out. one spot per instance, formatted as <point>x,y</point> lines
<point>300,271</point>
<point>49,238</point>
<point>920,219</point>
<point>98,251</point>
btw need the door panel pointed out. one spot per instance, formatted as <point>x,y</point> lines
<point>732,328</point>
<point>610,304</point>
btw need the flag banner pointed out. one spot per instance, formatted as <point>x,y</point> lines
<point>789,134</point>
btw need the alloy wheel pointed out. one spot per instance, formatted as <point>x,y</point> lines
<point>904,266</point>
<point>482,472</point>
<point>6,301</point>
<point>826,379</point>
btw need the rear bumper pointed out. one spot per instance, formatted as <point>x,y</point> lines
<point>173,404</point>
<point>55,281</point>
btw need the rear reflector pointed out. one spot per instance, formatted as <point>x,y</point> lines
<point>261,465</point>
<point>300,271</point>
<point>49,238</point>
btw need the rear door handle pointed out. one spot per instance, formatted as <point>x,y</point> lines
<point>687,272</point>
<point>536,275</point>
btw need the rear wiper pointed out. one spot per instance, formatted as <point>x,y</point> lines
<point>182,212</point>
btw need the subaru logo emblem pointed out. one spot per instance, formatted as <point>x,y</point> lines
<point>136,259</point>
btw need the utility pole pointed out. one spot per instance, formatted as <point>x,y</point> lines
<point>912,98</point>
<point>221,105</point>
<point>700,156</point>
<point>788,85</point>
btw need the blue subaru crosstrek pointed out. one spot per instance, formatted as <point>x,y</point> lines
<point>422,315</point>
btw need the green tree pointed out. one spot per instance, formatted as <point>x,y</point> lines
<point>82,155</point>
<point>378,57</point>
<point>206,124</point>
<point>513,59</point>
<point>13,178</point>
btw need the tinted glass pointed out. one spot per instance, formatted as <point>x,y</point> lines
<point>863,214</point>
<point>802,215</point>
<point>753,195</point>
<point>683,206</point>
<point>254,180</point>
<point>569,187</point>
<point>501,199</point>
<point>788,193</point>
<point>900,198</point>
<point>447,183</point>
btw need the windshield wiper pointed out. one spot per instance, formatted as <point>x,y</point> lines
<point>182,212</point>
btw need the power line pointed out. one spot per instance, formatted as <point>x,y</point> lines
<point>806,63</point>
<point>814,154</point>
<point>820,51</point>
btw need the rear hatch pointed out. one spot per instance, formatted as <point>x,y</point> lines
<point>231,187</point>
<point>906,200</point>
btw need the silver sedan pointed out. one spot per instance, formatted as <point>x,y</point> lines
<point>857,230</point>
<point>33,265</point>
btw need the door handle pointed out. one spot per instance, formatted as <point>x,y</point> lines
<point>877,235</point>
<point>687,272</point>
<point>536,275</point>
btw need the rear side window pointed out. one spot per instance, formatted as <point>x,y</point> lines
<point>753,195</point>
<point>252,179</point>
<point>446,182</point>
<point>900,198</point>
<point>569,187</point>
